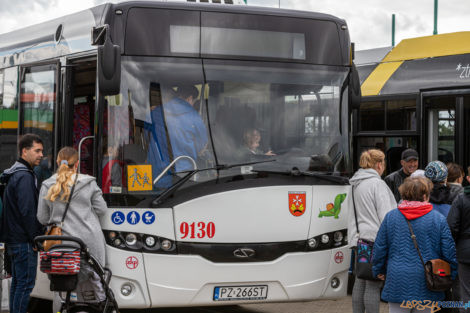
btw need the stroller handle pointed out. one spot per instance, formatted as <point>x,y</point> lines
<point>41,239</point>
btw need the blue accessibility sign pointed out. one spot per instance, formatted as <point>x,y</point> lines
<point>148,217</point>
<point>133,217</point>
<point>118,218</point>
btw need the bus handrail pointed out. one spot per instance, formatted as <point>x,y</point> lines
<point>80,151</point>
<point>173,163</point>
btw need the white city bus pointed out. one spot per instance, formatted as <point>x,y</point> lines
<point>235,194</point>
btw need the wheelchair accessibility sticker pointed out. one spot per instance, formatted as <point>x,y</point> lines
<point>118,218</point>
<point>148,218</point>
<point>139,177</point>
<point>133,217</point>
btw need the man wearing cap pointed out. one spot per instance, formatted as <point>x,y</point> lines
<point>409,164</point>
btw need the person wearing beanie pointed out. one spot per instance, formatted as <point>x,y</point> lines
<point>409,164</point>
<point>441,196</point>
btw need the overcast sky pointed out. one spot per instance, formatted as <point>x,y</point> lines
<point>369,21</point>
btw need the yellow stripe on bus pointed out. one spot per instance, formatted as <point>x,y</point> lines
<point>377,79</point>
<point>430,47</point>
<point>413,49</point>
<point>40,125</point>
<point>8,124</point>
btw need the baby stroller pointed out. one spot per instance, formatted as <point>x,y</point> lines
<point>63,263</point>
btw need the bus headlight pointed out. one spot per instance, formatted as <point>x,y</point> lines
<point>117,242</point>
<point>338,236</point>
<point>334,283</point>
<point>312,243</point>
<point>150,241</point>
<point>325,239</point>
<point>166,244</point>
<point>131,239</point>
<point>112,235</point>
<point>126,289</point>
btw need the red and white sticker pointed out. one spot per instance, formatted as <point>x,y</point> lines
<point>132,262</point>
<point>339,257</point>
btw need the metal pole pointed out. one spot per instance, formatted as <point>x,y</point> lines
<point>435,17</point>
<point>393,30</point>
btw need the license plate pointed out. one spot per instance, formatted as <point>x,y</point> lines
<point>230,293</point>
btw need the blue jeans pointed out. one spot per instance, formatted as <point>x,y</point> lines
<point>24,263</point>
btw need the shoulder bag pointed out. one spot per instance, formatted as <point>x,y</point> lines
<point>437,271</point>
<point>56,230</point>
<point>363,252</point>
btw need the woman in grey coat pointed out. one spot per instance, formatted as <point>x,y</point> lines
<point>373,200</point>
<point>82,218</point>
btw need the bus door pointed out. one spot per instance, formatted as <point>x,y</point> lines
<point>80,109</point>
<point>445,127</point>
<point>38,108</point>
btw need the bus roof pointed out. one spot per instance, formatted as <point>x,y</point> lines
<point>402,69</point>
<point>70,34</point>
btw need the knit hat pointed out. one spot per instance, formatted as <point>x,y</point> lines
<point>436,171</point>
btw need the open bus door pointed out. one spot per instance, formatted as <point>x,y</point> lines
<point>445,127</point>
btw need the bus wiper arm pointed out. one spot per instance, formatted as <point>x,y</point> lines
<point>296,172</point>
<point>190,174</point>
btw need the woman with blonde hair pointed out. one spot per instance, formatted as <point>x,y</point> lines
<point>82,217</point>
<point>372,201</point>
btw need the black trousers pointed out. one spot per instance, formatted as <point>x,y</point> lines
<point>464,277</point>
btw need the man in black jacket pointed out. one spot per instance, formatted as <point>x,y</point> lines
<point>409,164</point>
<point>20,224</point>
<point>459,224</point>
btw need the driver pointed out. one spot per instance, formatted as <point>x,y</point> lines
<point>251,141</point>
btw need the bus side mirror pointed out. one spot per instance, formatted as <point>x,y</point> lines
<point>109,61</point>
<point>354,89</point>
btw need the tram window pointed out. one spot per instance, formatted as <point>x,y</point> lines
<point>401,114</point>
<point>371,116</point>
<point>38,94</point>
<point>9,113</point>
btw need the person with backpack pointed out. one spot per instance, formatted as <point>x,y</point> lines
<point>19,223</point>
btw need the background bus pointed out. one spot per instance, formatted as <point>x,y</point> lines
<point>416,95</point>
<point>247,225</point>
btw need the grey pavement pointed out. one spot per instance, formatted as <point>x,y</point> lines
<point>342,305</point>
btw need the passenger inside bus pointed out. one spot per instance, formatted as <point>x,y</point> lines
<point>251,140</point>
<point>186,129</point>
<point>113,173</point>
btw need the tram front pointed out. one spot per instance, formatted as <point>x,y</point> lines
<point>226,155</point>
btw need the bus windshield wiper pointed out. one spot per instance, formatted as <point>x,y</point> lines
<point>170,191</point>
<point>320,175</point>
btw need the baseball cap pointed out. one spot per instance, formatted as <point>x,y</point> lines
<point>409,154</point>
<point>436,171</point>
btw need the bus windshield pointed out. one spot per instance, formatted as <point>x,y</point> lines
<point>212,113</point>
